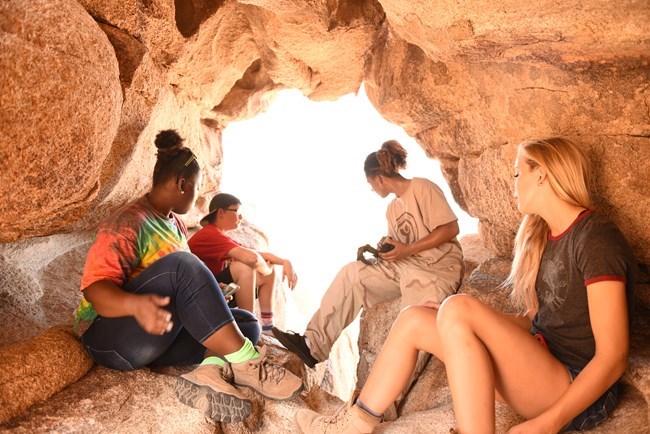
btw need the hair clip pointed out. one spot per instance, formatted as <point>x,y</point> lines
<point>189,160</point>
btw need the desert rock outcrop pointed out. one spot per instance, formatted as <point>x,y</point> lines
<point>87,85</point>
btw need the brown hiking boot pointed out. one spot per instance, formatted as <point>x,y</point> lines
<point>390,414</point>
<point>267,378</point>
<point>206,389</point>
<point>348,420</point>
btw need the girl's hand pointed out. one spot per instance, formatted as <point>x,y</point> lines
<point>400,251</point>
<point>289,275</point>
<point>148,312</point>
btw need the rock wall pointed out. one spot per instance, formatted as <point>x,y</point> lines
<point>86,86</point>
<point>61,107</point>
<point>97,81</point>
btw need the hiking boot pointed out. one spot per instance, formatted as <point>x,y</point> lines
<point>296,344</point>
<point>267,378</point>
<point>206,389</point>
<point>348,420</point>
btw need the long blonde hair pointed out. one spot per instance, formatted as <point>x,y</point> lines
<point>569,175</point>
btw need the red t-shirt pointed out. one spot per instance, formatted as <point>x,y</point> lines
<point>211,245</point>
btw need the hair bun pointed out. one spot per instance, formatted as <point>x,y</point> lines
<point>168,139</point>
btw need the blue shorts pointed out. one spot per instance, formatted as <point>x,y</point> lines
<point>597,412</point>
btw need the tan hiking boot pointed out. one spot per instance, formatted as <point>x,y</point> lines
<point>390,414</point>
<point>267,378</point>
<point>348,420</point>
<point>206,389</point>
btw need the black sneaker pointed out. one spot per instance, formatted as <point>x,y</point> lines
<point>296,344</point>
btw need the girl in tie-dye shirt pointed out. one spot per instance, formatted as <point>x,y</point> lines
<point>136,236</point>
<point>149,301</point>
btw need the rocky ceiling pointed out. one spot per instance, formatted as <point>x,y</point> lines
<point>86,86</point>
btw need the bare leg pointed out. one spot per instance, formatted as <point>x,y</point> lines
<point>266,288</point>
<point>245,277</point>
<point>484,350</point>
<point>413,330</point>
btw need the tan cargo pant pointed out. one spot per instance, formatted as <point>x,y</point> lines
<point>358,285</point>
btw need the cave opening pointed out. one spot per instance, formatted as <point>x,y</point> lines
<point>298,170</point>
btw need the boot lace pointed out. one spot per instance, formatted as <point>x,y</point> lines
<point>336,420</point>
<point>268,371</point>
<point>227,373</point>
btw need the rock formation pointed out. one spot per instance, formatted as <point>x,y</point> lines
<point>86,86</point>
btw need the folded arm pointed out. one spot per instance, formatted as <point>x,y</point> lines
<point>251,258</point>
<point>287,268</point>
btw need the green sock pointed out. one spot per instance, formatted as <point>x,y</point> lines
<point>244,354</point>
<point>213,360</point>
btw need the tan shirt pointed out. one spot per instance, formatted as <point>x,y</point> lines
<point>415,214</point>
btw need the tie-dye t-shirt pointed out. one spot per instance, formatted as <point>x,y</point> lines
<point>136,236</point>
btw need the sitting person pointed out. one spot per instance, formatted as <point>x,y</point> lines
<point>148,301</point>
<point>426,262</point>
<point>558,362</point>
<point>251,270</point>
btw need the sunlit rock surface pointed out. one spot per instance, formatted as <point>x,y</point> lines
<point>34,370</point>
<point>87,85</point>
<point>61,107</point>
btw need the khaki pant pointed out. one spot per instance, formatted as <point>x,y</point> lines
<point>358,285</point>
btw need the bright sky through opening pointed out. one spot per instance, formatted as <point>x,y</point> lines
<point>298,170</point>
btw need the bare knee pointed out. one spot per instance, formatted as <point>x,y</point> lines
<point>412,319</point>
<point>269,277</point>
<point>239,271</point>
<point>267,282</point>
<point>456,310</point>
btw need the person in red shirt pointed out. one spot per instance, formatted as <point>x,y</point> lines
<point>230,262</point>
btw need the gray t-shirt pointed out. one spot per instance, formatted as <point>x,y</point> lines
<point>591,250</point>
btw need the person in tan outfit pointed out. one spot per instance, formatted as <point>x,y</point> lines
<point>424,264</point>
<point>559,359</point>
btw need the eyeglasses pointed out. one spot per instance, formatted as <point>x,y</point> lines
<point>233,210</point>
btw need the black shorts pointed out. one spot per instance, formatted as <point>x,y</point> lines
<point>224,276</point>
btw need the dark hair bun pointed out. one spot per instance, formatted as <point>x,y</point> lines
<point>391,157</point>
<point>168,139</point>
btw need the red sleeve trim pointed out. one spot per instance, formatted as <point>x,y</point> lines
<point>605,278</point>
